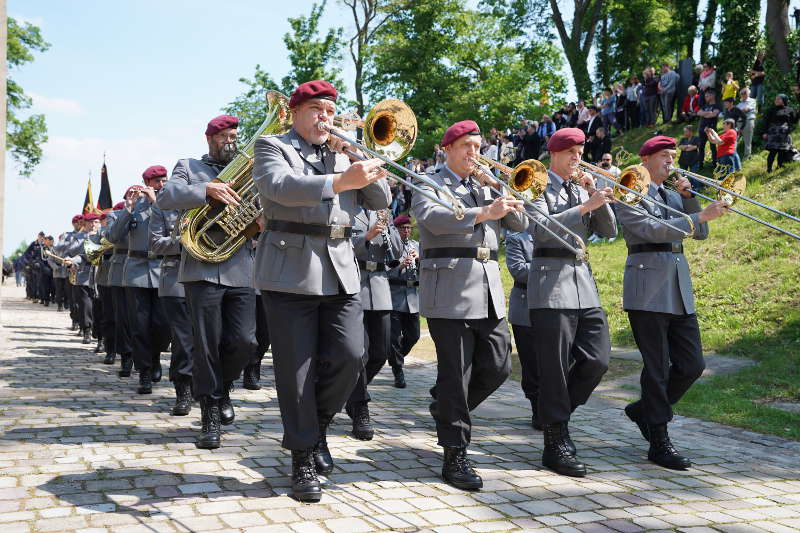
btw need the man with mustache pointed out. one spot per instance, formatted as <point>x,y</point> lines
<point>308,275</point>
<point>219,295</point>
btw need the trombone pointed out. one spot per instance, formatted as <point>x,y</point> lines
<point>390,131</point>
<point>729,190</point>
<point>632,187</point>
<point>531,175</point>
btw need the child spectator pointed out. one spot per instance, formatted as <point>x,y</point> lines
<point>730,87</point>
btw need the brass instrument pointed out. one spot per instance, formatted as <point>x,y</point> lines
<point>729,190</point>
<point>527,181</point>
<point>389,259</point>
<point>49,253</point>
<point>632,188</point>
<point>214,232</point>
<point>94,251</point>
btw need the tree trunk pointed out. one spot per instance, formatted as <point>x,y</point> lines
<point>580,73</point>
<point>684,22</point>
<point>578,43</point>
<point>777,21</point>
<point>708,30</point>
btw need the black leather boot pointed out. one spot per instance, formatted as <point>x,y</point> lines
<point>74,326</point>
<point>662,452</point>
<point>323,462</point>
<point>87,336</point>
<point>209,424</point>
<point>557,455</point>
<point>457,470</point>
<point>305,485</point>
<point>183,398</point>
<point>145,383</point>
<point>632,414</point>
<point>225,406</point>
<point>252,375</point>
<point>567,438</point>
<point>399,377</point>
<point>110,358</point>
<point>535,413</point>
<point>157,372</point>
<point>60,307</point>
<point>101,347</point>
<point>359,413</point>
<point>126,365</point>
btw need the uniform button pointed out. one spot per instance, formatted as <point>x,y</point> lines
<point>641,266</point>
<point>434,265</point>
<point>678,259</point>
<point>334,219</point>
<point>283,243</point>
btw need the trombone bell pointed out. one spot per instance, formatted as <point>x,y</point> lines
<point>390,129</point>
<point>635,177</point>
<point>529,175</point>
<point>736,182</point>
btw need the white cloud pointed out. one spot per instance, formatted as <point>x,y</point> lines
<point>65,106</point>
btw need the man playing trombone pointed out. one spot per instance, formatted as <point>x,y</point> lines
<point>572,343</point>
<point>462,296</point>
<point>307,272</point>
<point>658,297</point>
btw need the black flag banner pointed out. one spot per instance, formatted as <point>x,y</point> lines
<point>88,203</point>
<point>104,201</point>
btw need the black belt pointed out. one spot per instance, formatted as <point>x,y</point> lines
<point>372,266</point>
<point>107,255</point>
<point>120,251</point>
<point>143,255</point>
<point>521,285</point>
<point>481,253</point>
<point>334,231</point>
<point>176,256</point>
<point>674,247</point>
<point>404,283</point>
<point>553,252</point>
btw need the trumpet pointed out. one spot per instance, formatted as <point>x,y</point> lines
<point>531,176</point>
<point>729,190</point>
<point>632,188</point>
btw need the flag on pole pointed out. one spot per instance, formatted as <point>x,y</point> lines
<point>88,203</point>
<point>104,201</point>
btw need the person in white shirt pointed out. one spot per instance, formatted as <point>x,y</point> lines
<point>749,107</point>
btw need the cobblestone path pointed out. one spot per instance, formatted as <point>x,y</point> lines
<point>80,451</point>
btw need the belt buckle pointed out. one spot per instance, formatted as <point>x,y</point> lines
<point>483,254</point>
<point>337,231</point>
<point>372,266</point>
<point>677,248</point>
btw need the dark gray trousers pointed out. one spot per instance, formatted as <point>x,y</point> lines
<point>123,332</point>
<point>107,320</point>
<point>149,328</point>
<point>404,335</point>
<point>262,332</point>
<point>223,327</point>
<point>377,325</point>
<point>83,297</point>
<point>673,360</point>
<point>472,362</point>
<point>316,358</point>
<point>180,327</point>
<point>524,339</point>
<point>572,350</point>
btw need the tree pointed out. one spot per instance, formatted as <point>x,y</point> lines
<point>777,22</point>
<point>312,58</point>
<point>707,30</point>
<point>738,37</point>
<point>24,136</point>
<point>683,28</point>
<point>577,42</point>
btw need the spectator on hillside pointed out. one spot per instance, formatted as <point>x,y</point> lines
<point>730,87</point>
<point>571,115</point>
<point>689,145</point>
<point>559,120</point>
<point>708,80</point>
<point>691,105</point>
<point>729,110</point>
<point>667,86</point>
<point>507,151</point>
<point>532,144</point>
<point>608,110</point>
<point>709,114</point>
<point>757,78</point>
<point>726,145</point>
<point>620,103</point>
<point>606,163</point>
<point>748,107</point>
<point>779,121</point>
<point>546,128</point>
<point>650,95</point>
<point>491,149</point>
<point>632,103</point>
<point>600,145</point>
<point>583,115</point>
<point>591,129</point>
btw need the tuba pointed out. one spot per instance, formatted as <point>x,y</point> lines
<point>94,252</point>
<point>214,232</point>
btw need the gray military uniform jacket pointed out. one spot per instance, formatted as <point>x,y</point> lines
<point>561,282</point>
<point>375,292</point>
<point>460,288</point>
<point>120,254</point>
<point>186,189</point>
<point>659,281</point>
<point>405,294</point>
<point>291,181</point>
<point>103,270</point>
<point>77,254</point>
<point>140,272</point>
<point>519,254</point>
<point>59,270</point>
<point>166,241</point>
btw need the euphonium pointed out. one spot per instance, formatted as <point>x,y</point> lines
<point>94,252</point>
<point>214,232</point>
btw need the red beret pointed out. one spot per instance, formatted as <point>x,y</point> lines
<point>88,217</point>
<point>565,138</point>
<point>77,218</point>
<point>656,144</point>
<point>459,129</point>
<point>103,216</point>
<point>401,219</point>
<point>118,206</point>
<point>222,122</point>
<point>313,89</point>
<point>155,171</point>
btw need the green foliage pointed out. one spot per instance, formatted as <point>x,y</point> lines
<point>19,251</point>
<point>24,136</point>
<point>775,80</point>
<point>451,64</point>
<point>312,58</point>
<point>738,38</point>
<point>683,27</point>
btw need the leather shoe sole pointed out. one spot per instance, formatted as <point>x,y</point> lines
<point>309,494</point>
<point>670,462</point>
<point>565,469</point>
<point>464,485</point>
<point>208,444</point>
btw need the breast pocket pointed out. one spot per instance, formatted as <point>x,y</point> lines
<point>646,281</point>
<point>286,250</point>
<point>436,282</point>
<point>546,282</point>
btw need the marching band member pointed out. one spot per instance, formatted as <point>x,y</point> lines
<point>119,301</point>
<point>462,297</point>
<point>308,275</point>
<point>149,334</point>
<point>220,295</point>
<point>404,284</point>
<point>77,260</point>
<point>519,254</point>
<point>375,248</point>
<point>658,297</point>
<point>563,301</point>
<point>103,306</point>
